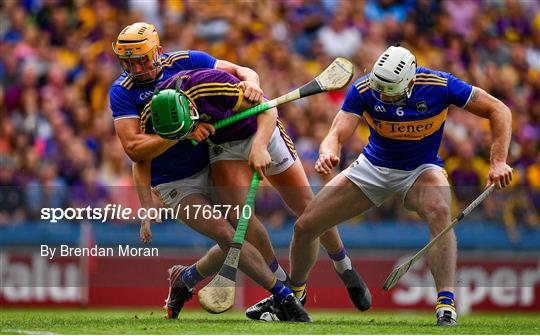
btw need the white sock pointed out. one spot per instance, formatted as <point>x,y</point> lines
<point>280,274</point>
<point>343,264</point>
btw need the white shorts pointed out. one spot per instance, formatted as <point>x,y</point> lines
<point>172,193</point>
<point>280,147</point>
<point>379,183</point>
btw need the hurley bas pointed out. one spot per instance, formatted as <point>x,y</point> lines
<point>96,251</point>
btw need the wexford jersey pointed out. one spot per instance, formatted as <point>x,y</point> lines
<point>128,99</point>
<point>217,96</point>
<point>408,135</point>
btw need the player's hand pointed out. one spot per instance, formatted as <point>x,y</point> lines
<point>260,160</point>
<point>326,162</point>
<point>252,91</point>
<point>145,232</point>
<point>203,131</point>
<point>499,173</point>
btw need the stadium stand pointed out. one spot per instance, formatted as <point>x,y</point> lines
<point>58,145</point>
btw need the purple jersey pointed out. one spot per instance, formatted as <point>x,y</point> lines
<point>131,100</point>
<point>217,96</point>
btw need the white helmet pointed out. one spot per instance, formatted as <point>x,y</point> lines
<point>392,73</point>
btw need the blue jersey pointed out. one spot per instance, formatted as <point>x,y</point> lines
<point>128,99</point>
<point>408,135</point>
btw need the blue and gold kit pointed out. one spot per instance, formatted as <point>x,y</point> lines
<point>407,135</point>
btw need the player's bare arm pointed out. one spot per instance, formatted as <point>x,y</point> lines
<point>141,178</point>
<point>250,79</point>
<point>500,118</point>
<point>259,157</point>
<point>341,130</point>
<point>139,146</point>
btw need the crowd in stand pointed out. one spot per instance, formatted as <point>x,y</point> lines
<point>56,67</point>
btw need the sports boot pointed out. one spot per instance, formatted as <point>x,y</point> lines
<point>291,309</point>
<point>179,293</point>
<point>267,305</point>
<point>446,316</point>
<point>357,289</point>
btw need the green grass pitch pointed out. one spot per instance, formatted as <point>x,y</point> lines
<point>83,321</point>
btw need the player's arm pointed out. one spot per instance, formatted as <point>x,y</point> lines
<point>500,118</point>
<point>259,157</point>
<point>342,129</point>
<point>139,146</point>
<point>141,178</point>
<point>249,79</point>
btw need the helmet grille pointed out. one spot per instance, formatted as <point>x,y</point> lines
<point>174,116</point>
<point>399,67</point>
<point>383,59</point>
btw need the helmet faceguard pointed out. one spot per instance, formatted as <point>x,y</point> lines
<point>392,78</point>
<point>137,49</point>
<point>174,116</point>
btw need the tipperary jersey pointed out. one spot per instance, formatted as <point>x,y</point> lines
<point>128,99</point>
<point>408,135</point>
<point>217,96</point>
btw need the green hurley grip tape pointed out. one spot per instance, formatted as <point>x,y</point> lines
<point>242,115</point>
<point>239,116</point>
<point>242,226</point>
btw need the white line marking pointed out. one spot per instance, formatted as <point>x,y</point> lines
<point>27,332</point>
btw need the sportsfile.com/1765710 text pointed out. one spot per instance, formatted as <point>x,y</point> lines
<point>119,212</point>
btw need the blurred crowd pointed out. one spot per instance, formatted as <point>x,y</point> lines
<point>56,67</point>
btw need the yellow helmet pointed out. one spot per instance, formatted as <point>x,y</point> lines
<point>137,49</point>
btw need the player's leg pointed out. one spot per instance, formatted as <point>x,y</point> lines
<point>338,201</point>
<point>294,188</point>
<point>430,197</point>
<point>182,279</point>
<point>221,231</point>
<point>288,176</point>
<point>231,179</point>
<point>192,192</point>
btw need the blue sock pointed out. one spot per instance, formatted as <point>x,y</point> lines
<point>445,297</point>
<point>280,291</point>
<point>191,276</point>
